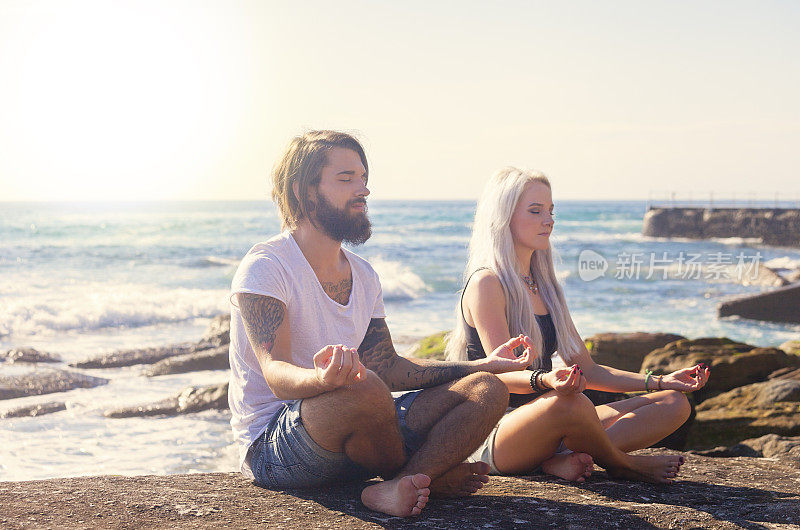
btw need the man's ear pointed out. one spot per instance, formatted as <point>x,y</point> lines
<point>296,190</point>
<point>312,195</point>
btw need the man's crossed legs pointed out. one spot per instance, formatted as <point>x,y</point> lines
<point>355,430</point>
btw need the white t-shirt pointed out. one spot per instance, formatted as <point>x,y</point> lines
<point>278,268</point>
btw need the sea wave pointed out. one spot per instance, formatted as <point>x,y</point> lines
<point>109,306</point>
<point>214,261</point>
<point>783,263</point>
<point>399,282</point>
<point>738,241</point>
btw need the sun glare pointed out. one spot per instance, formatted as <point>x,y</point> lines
<point>117,101</point>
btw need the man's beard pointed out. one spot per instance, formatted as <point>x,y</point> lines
<point>354,229</point>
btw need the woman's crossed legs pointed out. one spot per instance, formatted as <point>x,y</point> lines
<point>530,435</point>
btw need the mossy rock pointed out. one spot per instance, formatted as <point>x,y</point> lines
<point>791,347</point>
<point>733,364</point>
<point>626,350</point>
<point>431,347</point>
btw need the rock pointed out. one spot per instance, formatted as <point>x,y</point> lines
<point>212,359</point>
<point>776,446</point>
<point>764,277</point>
<point>218,333</point>
<point>29,355</point>
<point>709,493</point>
<point>191,399</point>
<point>137,356</point>
<point>791,346</point>
<point>778,305</point>
<point>773,226</point>
<point>755,395</point>
<point>45,381</point>
<point>767,446</point>
<point>626,350</point>
<point>786,373</point>
<point>431,347</point>
<point>793,276</point>
<point>195,399</point>
<point>165,407</point>
<point>750,411</point>
<point>733,364</point>
<point>39,409</point>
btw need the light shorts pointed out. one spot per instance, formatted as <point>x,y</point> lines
<point>285,456</point>
<point>485,451</point>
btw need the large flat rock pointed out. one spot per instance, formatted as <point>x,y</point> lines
<point>211,359</point>
<point>38,409</point>
<point>191,399</point>
<point>626,350</point>
<point>713,493</point>
<point>137,356</point>
<point>778,305</point>
<point>750,411</point>
<point>733,364</point>
<point>28,355</point>
<point>45,381</point>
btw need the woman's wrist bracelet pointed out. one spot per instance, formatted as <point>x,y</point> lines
<point>540,381</point>
<point>535,382</point>
<point>658,385</point>
<point>647,376</point>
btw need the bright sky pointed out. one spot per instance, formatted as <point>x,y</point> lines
<point>192,99</point>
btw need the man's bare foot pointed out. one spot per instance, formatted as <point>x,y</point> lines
<point>461,480</point>
<point>576,467</point>
<point>401,497</point>
<point>651,468</point>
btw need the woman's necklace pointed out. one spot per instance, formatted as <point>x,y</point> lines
<point>532,287</point>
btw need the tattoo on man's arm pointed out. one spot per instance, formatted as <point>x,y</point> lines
<point>376,350</point>
<point>377,353</point>
<point>262,315</point>
<point>423,375</point>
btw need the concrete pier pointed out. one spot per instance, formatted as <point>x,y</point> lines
<point>773,226</point>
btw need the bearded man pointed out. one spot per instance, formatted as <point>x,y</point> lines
<point>312,360</point>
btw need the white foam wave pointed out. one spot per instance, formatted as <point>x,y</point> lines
<point>97,307</point>
<point>398,281</point>
<point>216,261</point>
<point>783,263</point>
<point>737,241</point>
<point>596,237</point>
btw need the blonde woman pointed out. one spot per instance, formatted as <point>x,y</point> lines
<point>511,289</point>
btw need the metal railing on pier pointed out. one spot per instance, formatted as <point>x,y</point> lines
<point>712,200</point>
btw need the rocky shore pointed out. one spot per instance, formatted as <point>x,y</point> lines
<point>735,492</point>
<point>742,442</point>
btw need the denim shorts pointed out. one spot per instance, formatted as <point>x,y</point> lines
<point>285,456</point>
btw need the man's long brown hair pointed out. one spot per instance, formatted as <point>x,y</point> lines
<point>302,162</point>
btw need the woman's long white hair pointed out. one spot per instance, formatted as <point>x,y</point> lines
<point>492,247</point>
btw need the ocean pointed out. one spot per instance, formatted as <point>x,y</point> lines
<point>80,279</point>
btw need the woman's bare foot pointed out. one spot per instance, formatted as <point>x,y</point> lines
<point>461,480</point>
<point>655,468</point>
<point>401,497</point>
<point>576,467</point>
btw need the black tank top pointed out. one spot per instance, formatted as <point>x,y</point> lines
<point>546,327</point>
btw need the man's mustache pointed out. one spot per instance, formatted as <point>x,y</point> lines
<point>358,201</point>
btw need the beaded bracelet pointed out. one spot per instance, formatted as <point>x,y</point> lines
<point>536,385</point>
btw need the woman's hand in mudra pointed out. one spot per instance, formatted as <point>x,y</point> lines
<point>503,359</point>
<point>687,379</point>
<point>565,380</point>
